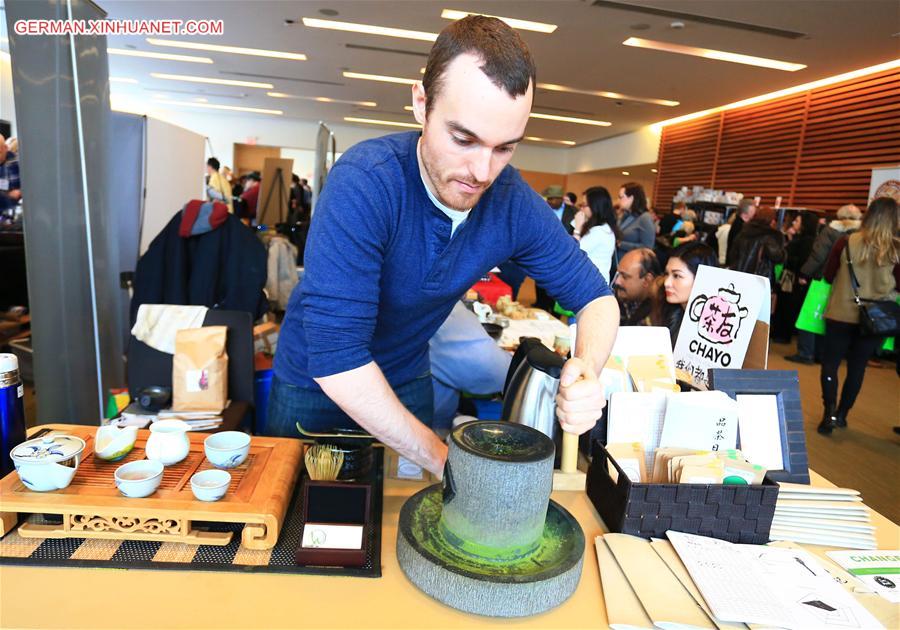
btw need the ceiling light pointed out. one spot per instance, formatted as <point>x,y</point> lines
<point>536,139</point>
<point>838,78</point>
<point>201,100</point>
<point>653,170</point>
<point>379,77</point>
<point>322,99</point>
<point>389,123</point>
<point>422,70</point>
<point>232,108</point>
<point>709,53</point>
<point>524,25</point>
<point>625,173</point>
<point>191,79</point>
<point>156,55</point>
<point>122,80</point>
<point>369,29</point>
<point>235,50</point>
<point>579,121</point>
<point>613,95</point>
<point>408,108</point>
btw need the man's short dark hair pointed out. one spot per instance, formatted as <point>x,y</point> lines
<point>213,162</point>
<point>505,57</point>
<point>571,197</point>
<point>649,262</point>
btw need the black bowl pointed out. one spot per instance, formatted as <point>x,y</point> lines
<point>494,330</point>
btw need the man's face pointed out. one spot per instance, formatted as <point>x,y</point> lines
<point>628,283</point>
<point>554,202</point>
<point>470,133</point>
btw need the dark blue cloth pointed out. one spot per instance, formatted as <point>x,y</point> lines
<point>316,413</point>
<point>9,180</point>
<point>382,272</point>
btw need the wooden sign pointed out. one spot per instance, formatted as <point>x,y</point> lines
<point>274,203</point>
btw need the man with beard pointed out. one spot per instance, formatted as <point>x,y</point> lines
<point>635,286</point>
<point>405,225</point>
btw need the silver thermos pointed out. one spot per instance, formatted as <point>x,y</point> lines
<point>529,396</point>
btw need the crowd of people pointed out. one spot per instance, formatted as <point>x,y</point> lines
<point>241,194</point>
<point>652,261</point>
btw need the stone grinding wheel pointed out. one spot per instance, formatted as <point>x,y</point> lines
<point>475,544</point>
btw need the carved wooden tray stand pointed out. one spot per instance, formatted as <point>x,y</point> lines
<point>92,507</point>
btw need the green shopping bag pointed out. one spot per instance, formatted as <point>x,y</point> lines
<point>888,345</point>
<point>812,313</point>
<point>779,269</point>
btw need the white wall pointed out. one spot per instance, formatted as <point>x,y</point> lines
<point>637,147</point>
<point>224,130</point>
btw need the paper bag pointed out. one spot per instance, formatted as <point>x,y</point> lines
<point>200,369</point>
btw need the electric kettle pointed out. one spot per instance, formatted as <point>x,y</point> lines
<point>529,396</point>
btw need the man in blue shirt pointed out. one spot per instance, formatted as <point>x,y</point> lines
<point>407,223</point>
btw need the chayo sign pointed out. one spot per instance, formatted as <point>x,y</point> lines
<point>720,320</point>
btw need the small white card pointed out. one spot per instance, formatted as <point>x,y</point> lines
<point>327,536</point>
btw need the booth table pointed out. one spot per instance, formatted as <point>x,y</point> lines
<point>32,597</point>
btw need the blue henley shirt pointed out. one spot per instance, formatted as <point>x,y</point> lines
<point>383,272</point>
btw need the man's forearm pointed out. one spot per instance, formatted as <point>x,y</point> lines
<point>365,395</point>
<point>598,323</point>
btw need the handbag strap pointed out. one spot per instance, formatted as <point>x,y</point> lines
<point>854,282</point>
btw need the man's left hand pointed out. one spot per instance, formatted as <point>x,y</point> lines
<point>580,401</point>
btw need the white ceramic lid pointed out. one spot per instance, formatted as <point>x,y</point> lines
<point>47,449</point>
<point>8,362</point>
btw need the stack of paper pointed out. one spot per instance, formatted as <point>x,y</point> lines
<point>834,517</point>
<point>135,416</point>
<point>196,420</point>
<point>772,586</point>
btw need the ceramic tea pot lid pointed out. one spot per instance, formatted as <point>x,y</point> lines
<point>47,449</point>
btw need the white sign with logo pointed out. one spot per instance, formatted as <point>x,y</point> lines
<point>719,321</point>
<point>885,182</point>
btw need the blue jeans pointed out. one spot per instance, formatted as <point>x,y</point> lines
<point>806,344</point>
<point>317,413</point>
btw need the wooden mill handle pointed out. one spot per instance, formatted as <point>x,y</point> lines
<point>569,461</point>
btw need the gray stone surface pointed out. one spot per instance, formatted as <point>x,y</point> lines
<point>498,503</point>
<point>483,597</point>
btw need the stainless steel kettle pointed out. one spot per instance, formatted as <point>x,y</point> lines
<point>529,396</point>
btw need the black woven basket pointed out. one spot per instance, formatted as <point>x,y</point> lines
<point>739,514</point>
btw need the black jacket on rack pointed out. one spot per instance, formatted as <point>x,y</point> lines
<point>224,268</point>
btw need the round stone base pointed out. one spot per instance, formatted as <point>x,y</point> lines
<point>525,586</point>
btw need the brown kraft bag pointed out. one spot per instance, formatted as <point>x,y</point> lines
<point>200,369</point>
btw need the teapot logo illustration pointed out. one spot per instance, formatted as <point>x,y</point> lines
<point>719,316</point>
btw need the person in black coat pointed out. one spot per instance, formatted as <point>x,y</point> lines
<point>219,263</point>
<point>793,287</point>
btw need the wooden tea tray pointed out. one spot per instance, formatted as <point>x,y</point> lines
<point>92,507</point>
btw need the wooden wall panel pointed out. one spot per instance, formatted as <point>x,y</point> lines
<point>815,149</point>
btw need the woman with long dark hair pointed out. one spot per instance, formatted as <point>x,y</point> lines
<point>678,281</point>
<point>875,255</point>
<point>600,231</point>
<point>793,286</point>
<point>636,225</point>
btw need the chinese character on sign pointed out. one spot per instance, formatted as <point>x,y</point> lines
<point>719,316</point>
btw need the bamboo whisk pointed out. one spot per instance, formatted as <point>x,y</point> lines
<point>323,461</point>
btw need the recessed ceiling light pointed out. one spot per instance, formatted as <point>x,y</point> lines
<point>838,78</point>
<point>422,70</point>
<point>379,77</point>
<point>408,108</point>
<point>235,50</point>
<point>579,121</point>
<point>231,108</point>
<point>122,80</point>
<point>709,53</point>
<point>536,139</point>
<point>191,79</point>
<point>370,29</point>
<point>389,123</point>
<point>653,170</point>
<point>524,25</point>
<point>322,99</point>
<point>625,173</point>
<point>124,52</point>
<point>201,100</point>
<point>603,94</point>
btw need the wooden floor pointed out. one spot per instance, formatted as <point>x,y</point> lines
<point>866,455</point>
